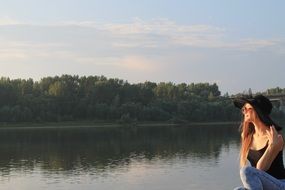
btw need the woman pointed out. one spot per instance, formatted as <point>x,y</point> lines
<point>261,144</point>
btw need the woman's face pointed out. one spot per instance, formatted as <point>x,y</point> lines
<point>248,112</point>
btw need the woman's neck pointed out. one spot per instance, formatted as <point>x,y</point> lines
<point>260,128</point>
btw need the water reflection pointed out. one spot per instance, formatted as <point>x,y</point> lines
<point>104,149</point>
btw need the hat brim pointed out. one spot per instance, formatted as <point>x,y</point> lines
<point>239,102</point>
<point>266,119</point>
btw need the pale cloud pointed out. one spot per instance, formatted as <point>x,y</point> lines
<point>159,26</point>
<point>132,49</point>
<point>131,62</point>
<point>167,33</point>
<point>159,33</point>
<point>8,21</point>
<point>9,51</point>
<point>255,44</point>
<point>139,26</point>
<point>97,61</point>
<point>12,55</point>
<point>164,33</point>
<point>23,51</point>
<point>138,63</point>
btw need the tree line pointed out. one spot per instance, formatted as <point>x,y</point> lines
<point>74,98</point>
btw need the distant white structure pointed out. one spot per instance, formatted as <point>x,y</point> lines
<point>280,98</point>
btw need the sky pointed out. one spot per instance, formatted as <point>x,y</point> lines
<point>236,44</point>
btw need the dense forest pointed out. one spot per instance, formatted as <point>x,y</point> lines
<point>97,98</point>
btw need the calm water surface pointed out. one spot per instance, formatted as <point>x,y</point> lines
<point>121,158</point>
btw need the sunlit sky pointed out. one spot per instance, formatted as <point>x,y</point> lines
<point>236,44</point>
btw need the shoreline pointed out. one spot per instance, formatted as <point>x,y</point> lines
<point>97,124</point>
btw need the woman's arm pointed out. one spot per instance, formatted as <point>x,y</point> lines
<point>275,145</point>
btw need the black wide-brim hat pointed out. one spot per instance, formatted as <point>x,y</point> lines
<point>261,105</point>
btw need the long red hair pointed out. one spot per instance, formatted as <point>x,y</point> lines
<point>247,130</point>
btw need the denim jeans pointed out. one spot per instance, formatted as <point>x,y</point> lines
<point>255,179</point>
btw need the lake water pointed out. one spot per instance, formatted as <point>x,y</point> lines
<point>121,158</point>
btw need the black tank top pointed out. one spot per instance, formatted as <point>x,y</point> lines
<point>276,169</point>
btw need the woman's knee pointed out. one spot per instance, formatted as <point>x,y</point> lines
<point>246,171</point>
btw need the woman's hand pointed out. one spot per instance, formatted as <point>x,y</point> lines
<point>274,139</point>
<point>275,145</point>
